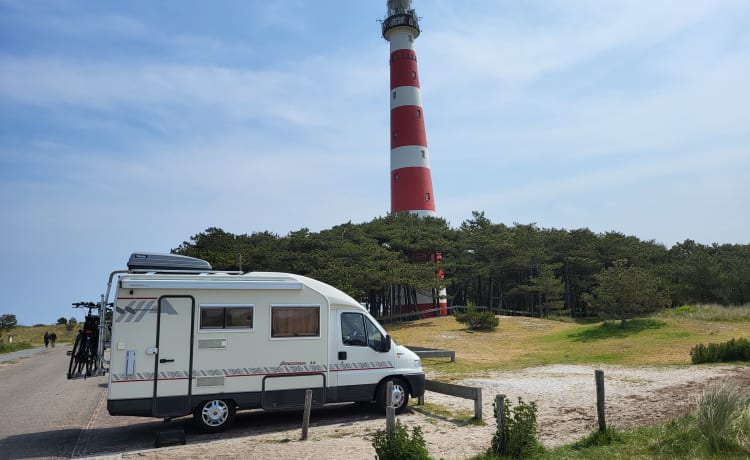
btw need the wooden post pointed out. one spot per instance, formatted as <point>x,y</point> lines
<point>500,409</point>
<point>599,377</point>
<point>306,414</point>
<point>478,404</point>
<point>390,411</point>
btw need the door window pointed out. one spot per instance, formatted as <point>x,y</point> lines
<point>353,330</point>
<point>358,331</point>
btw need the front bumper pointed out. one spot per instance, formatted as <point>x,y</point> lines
<point>416,384</point>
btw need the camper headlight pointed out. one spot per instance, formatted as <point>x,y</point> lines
<point>417,363</point>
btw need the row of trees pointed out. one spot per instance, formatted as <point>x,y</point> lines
<point>519,268</point>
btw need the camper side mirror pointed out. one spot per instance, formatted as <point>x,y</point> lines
<point>386,344</point>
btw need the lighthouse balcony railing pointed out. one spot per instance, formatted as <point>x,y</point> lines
<point>399,19</point>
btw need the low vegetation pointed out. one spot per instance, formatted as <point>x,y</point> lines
<point>398,444</point>
<point>478,320</point>
<point>732,350</point>
<point>517,436</point>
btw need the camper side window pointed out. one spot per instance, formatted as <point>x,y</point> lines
<point>226,316</point>
<point>295,321</point>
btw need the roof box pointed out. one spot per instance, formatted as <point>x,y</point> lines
<point>159,262</point>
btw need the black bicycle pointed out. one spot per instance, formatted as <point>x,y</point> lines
<point>84,358</point>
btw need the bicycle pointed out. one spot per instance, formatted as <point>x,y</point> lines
<point>85,356</point>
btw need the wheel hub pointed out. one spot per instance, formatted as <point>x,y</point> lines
<point>398,395</point>
<point>215,413</point>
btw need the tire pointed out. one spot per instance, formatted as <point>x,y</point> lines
<point>214,415</point>
<point>400,394</point>
<point>90,362</point>
<point>73,360</point>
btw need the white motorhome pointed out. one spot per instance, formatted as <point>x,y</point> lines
<point>186,339</point>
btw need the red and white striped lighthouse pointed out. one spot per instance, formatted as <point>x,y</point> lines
<point>411,179</point>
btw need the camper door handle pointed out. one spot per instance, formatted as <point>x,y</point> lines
<point>166,361</point>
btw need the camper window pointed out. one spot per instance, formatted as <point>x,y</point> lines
<point>356,330</point>
<point>226,316</point>
<point>353,330</point>
<point>295,321</point>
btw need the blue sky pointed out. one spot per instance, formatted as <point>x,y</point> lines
<point>131,126</point>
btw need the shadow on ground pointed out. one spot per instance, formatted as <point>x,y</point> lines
<point>140,433</point>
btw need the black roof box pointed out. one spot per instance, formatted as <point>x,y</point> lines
<point>156,262</point>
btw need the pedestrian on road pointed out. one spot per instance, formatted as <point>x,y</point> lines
<point>53,338</point>
<point>46,339</point>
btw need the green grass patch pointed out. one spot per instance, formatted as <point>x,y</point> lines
<point>610,330</point>
<point>34,335</point>
<point>15,346</point>
<point>519,342</point>
<point>707,313</point>
<point>459,417</point>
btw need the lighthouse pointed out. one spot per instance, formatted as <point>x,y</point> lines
<point>411,179</point>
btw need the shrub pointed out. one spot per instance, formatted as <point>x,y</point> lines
<point>518,436</point>
<point>723,417</point>
<point>478,320</point>
<point>732,350</point>
<point>398,445</point>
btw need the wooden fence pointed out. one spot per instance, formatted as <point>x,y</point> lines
<point>459,391</point>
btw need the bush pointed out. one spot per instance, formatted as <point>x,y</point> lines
<point>732,350</point>
<point>723,418</point>
<point>398,445</point>
<point>518,436</point>
<point>478,320</point>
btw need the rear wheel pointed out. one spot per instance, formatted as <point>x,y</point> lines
<point>90,361</point>
<point>400,394</point>
<point>73,354</point>
<point>214,415</point>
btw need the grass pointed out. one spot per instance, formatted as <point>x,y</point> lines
<point>661,340</point>
<point>459,417</point>
<point>33,336</point>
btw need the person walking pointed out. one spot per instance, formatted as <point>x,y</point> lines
<point>52,338</point>
<point>46,339</point>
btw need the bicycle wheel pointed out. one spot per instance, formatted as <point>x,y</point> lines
<point>81,357</point>
<point>73,355</point>
<point>91,364</point>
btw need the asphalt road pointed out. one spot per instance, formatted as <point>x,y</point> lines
<point>42,413</point>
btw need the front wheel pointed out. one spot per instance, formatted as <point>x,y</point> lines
<point>214,415</point>
<point>399,396</point>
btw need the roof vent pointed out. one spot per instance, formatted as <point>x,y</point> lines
<point>160,262</point>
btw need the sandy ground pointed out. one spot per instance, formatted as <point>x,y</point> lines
<point>565,396</point>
